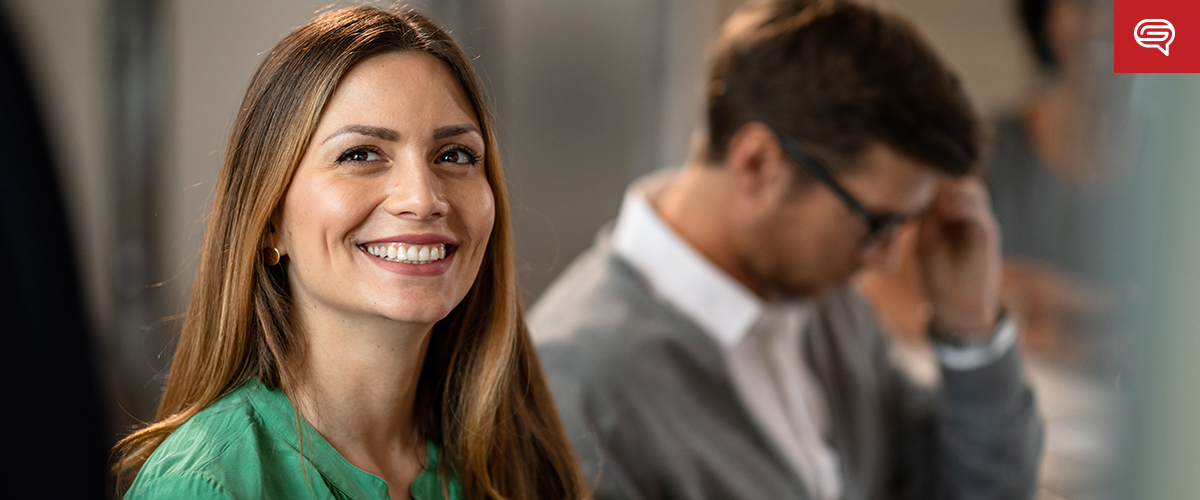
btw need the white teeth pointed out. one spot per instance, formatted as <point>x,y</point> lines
<point>409,254</point>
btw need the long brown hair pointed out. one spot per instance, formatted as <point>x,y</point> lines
<point>481,394</point>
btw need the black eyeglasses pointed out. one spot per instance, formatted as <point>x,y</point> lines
<point>878,225</point>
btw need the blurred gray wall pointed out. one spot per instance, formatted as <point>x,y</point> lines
<point>593,95</point>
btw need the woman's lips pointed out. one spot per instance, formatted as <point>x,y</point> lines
<point>408,253</point>
<point>414,239</point>
<point>412,254</point>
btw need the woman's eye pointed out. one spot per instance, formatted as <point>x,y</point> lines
<point>359,155</point>
<point>460,156</point>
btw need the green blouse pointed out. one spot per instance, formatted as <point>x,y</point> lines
<point>246,445</point>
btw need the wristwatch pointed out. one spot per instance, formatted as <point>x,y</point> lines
<point>968,352</point>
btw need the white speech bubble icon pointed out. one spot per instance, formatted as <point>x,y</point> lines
<point>1155,33</point>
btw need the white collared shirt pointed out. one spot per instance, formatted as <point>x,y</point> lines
<point>762,341</point>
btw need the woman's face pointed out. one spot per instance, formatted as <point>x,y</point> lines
<point>389,213</point>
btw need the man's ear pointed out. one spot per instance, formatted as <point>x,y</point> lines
<point>756,161</point>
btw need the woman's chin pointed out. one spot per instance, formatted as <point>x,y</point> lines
<point>418,313</point>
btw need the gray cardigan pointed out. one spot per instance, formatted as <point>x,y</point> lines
<point>649,405</point>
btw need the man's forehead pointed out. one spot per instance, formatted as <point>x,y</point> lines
<point>890,181</point>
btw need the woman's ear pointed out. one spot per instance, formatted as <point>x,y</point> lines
<point>272,238</point>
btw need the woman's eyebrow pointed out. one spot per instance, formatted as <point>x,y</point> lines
<point>386,134</point>
<point>453,130</point>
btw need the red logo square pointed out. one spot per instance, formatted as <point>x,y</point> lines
<point>1156,36</point>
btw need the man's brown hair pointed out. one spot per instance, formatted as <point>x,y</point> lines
<point>837,76</point>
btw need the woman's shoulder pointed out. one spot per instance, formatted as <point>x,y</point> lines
<point>214,454</point>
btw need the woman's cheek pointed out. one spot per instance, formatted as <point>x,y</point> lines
<point>486,213</point>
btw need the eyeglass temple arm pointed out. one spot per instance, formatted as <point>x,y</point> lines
<point>814,168</point>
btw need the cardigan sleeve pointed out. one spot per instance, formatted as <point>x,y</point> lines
<point>977,437</point>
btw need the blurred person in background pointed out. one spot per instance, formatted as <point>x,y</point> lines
<point>54,425</point>
<point>354,330</point>
<point>1046,181</point>
<point>708,346</point>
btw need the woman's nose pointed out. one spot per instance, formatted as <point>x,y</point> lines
<point>414,191</point>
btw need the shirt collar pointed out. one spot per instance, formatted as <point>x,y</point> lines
<point>276,410</point>
<point>679,273</point>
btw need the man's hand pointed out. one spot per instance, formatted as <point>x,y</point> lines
<point>958,247</point>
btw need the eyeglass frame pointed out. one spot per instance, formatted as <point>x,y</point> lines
<point>878,224</point>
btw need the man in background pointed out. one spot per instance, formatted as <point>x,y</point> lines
<point>708,346</point>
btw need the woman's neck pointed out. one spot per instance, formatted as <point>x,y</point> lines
<point>358,389</point>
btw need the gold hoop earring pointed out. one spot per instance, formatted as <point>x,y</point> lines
<point>272,256</point>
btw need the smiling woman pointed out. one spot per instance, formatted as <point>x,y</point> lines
<point>354,330</point>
